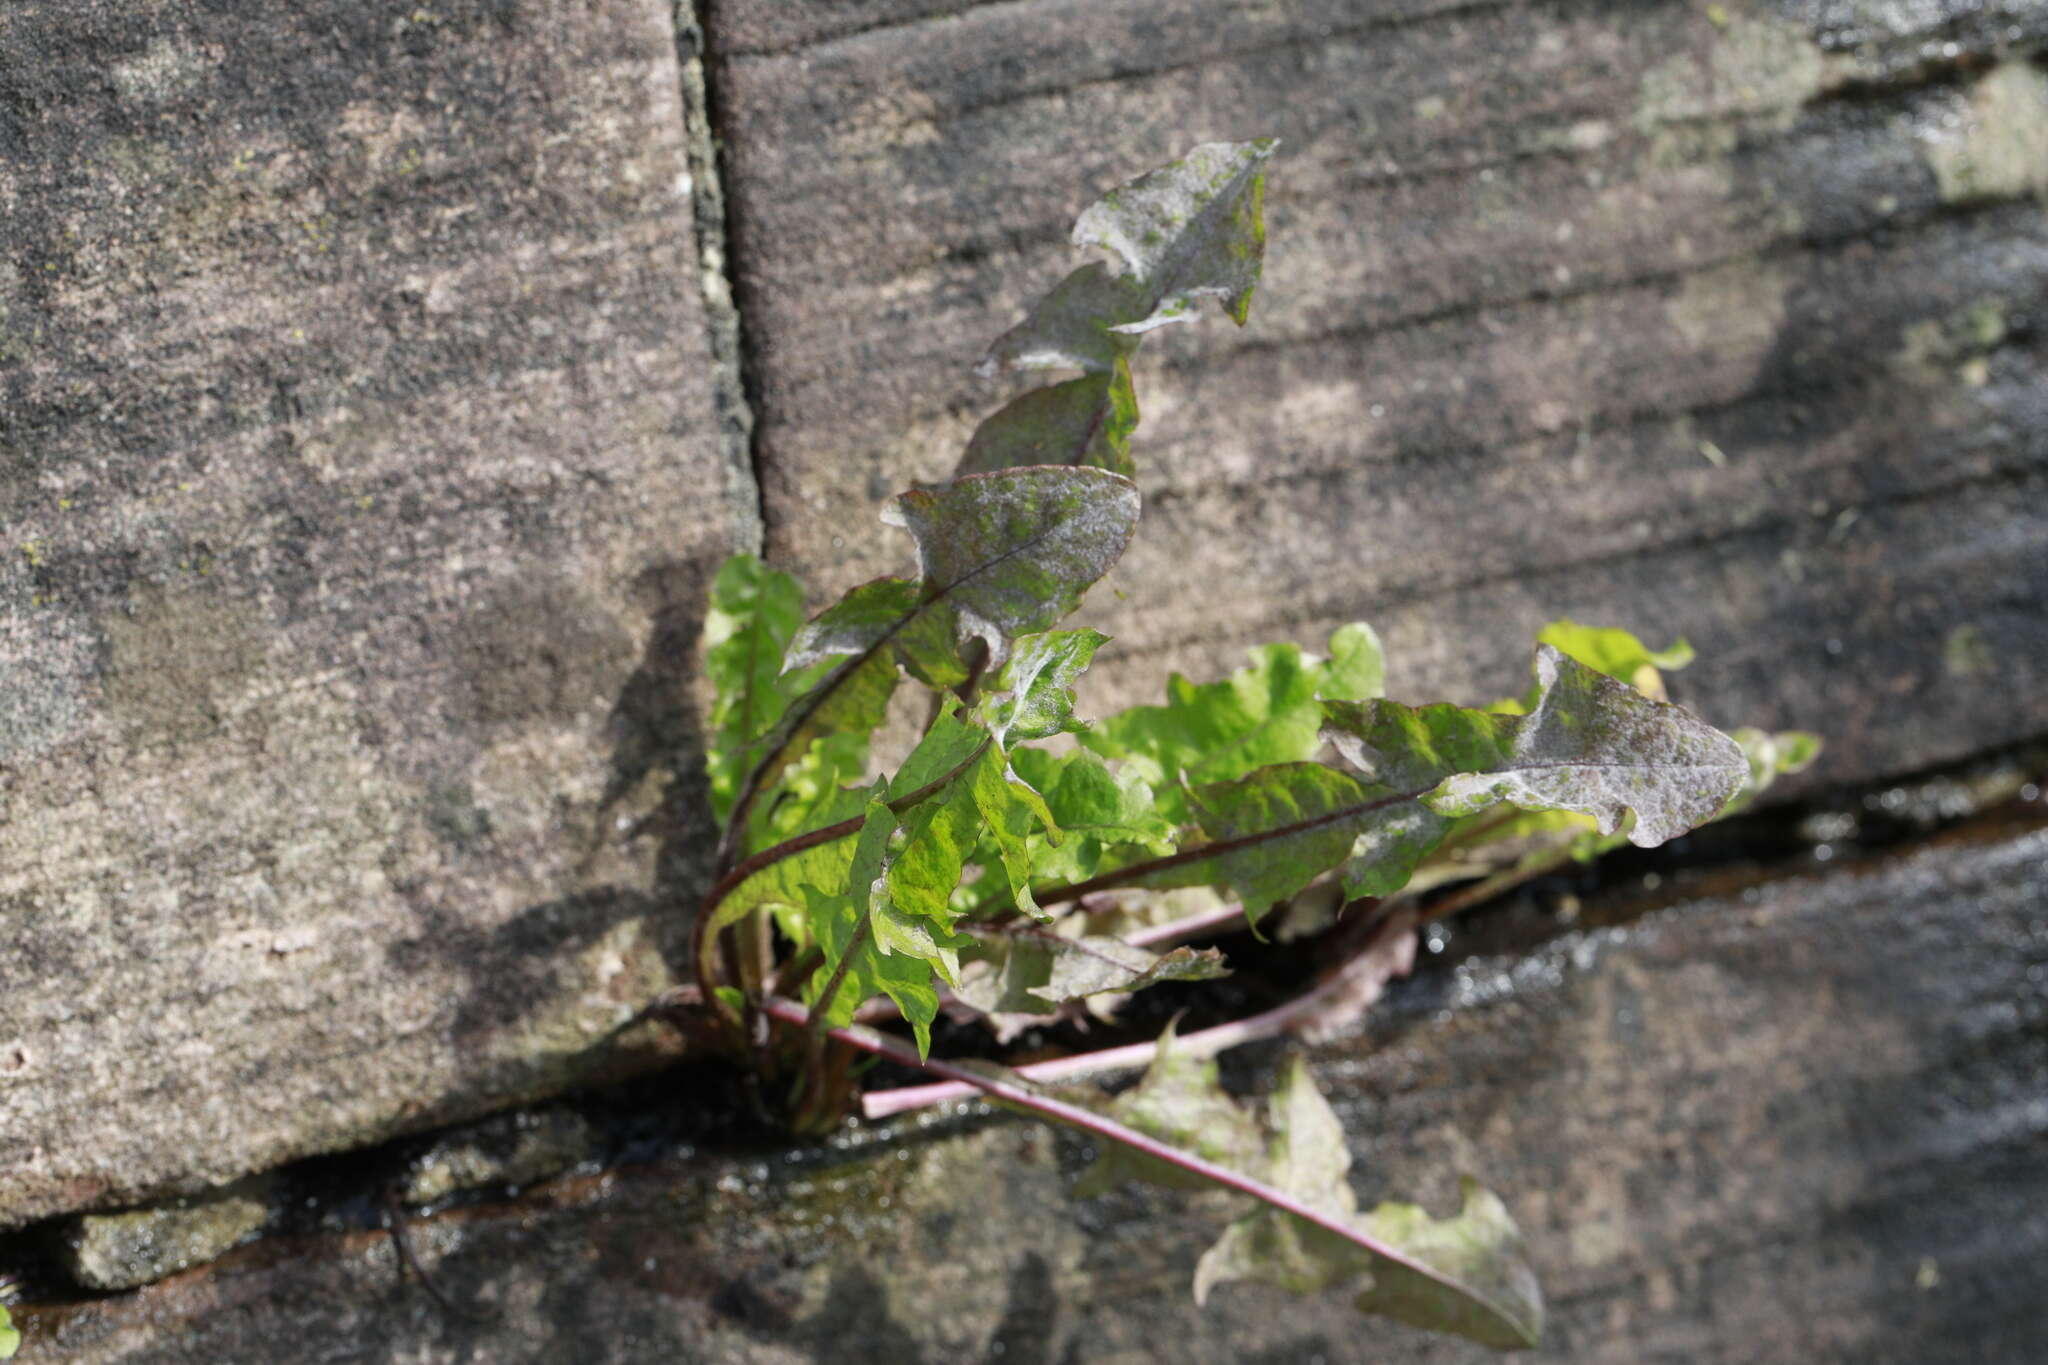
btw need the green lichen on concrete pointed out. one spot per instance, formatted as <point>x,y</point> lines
<point>1997,146</point>
<point>122,1250</point>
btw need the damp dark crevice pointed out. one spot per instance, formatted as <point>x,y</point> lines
<point>735,384</point>
<point>700,1111</point>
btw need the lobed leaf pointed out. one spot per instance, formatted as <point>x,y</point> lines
<point>1032,971</point>
<point>1099,813</point>
<point>1325,810</point>
<point>1069,329</point>
<point>1601,748</point>
<point>835,916</point>
<point>1480,1249</point>
<point>1001,555</point>
<point>783,887</point>
<point>1770,756</point>
<point>754,613</point>
<point>1011,810</point>
<point>1270,712</point>
<point>1189,230</point>
<point>833,709</point>
<point>1591,745</point>
<point>1008,554</point>
<point>1468,1275</point>
<point>1040,682</point>
<point>1180,1101</point>
<point>1610,650</point>
<point>1618,654</point>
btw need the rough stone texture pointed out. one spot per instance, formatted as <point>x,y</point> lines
<point>1801,1122</point>
<point>511,1149</point>
<point>359,478</point>
<point>1720,321</point>
<point>122,1250</point>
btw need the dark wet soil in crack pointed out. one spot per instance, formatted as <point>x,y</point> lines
<point>702,1110</point>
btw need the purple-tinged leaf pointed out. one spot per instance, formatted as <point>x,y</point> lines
<point>1006,554</point>
<point>1086,421</point>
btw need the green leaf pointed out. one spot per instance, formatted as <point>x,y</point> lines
<point>10,1339</point>
<point>754,613</point>
<point>1357,667</point>
<point>949,741</point>
<point>1040,682</point>
<point>1011,810</point>
<point>1265,714</point>
<point>1099,813</point>
<point>921,875</point>
<point>835,914</point>
<point>1189,230</point>
<point>1618,654</point>
<point>1327,808</point>
<point>833,709</point>
<point>787,884</point>
<point>1770,756</point>
<point>1085,421</point>
<point>1032,971</point>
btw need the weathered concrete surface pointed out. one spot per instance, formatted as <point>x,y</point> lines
<point>1800,1123</point>
<point>359,476</point>
<point>1718,320</point>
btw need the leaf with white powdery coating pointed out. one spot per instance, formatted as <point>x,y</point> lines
<point>1034,971</point>
<point>1601,748</point>
<point>1192,229</point>
<point>1008,554</point>
<point>1591,745</point>
<point>1040,682</point>
<point>1189,230</point>
<point>1181,1102</point>
<point>1002,554</point>
<point>1086,421</point>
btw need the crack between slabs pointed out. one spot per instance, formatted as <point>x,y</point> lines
<point>733,390</point>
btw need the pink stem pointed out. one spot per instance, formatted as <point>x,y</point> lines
<point>1372,962</point>
<point>882,1045</point>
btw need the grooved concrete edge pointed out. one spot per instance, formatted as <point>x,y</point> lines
<point>721,312</point>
